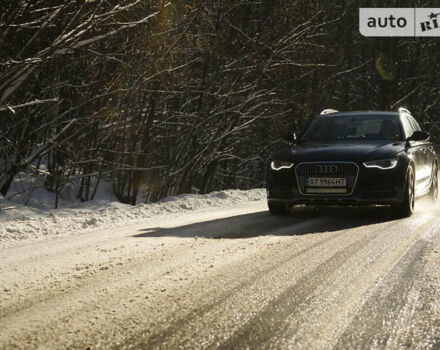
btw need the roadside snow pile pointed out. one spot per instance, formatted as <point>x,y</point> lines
<point>22,226</point>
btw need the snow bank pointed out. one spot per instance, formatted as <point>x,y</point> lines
<point>21,224</point>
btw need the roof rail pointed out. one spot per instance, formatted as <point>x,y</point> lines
<point>404,110</point>
<point>328,111</point>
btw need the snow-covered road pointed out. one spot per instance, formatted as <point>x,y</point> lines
<point>229,277</point>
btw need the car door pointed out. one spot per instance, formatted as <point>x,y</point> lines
<point>415,152</point>
<point>427,155</point>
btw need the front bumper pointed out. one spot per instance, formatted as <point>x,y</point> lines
<point>373,186</point>
<point>351,200</point>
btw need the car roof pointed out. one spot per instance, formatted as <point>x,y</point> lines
<point>359,113</point>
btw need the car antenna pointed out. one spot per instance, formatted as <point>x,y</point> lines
<point>404,110</point>
<point>328,111</point>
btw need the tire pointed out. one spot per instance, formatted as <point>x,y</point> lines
<point>433,191</point>
<point>406,208</point>
<point>277,208</point>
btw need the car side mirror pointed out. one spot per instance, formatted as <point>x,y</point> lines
<point>419,136</point>
<point>290,138</point>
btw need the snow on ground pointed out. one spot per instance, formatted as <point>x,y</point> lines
<point>24,223</point>
<point>30,194</point>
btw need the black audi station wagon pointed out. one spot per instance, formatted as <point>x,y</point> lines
<point>355,158</point>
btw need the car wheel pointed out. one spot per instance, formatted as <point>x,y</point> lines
<point>433,191</point>
<point>277,208</point>
<point>406,208</point>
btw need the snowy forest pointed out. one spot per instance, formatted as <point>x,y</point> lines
<point>171,97</point>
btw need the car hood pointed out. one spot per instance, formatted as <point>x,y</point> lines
<point>355,152</point>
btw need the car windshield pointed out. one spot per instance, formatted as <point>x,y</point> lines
<point>353,128</point>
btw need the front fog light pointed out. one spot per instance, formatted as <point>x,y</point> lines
<point>384,164</point>
<point>278,165</point>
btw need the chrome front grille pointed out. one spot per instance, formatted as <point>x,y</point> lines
<point>348,170</point>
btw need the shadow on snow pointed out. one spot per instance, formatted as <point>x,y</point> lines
<point>302,220</point>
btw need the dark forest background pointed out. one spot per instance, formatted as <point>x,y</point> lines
<point>188,96</point>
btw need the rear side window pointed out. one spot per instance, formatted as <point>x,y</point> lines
<point>414,123</point>
<point>407,127</point>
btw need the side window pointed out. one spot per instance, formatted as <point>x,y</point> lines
<point>414,123</point>
<point>407,127</point>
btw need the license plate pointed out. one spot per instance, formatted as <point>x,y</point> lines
<point>326,182</point>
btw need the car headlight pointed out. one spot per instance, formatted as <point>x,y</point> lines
<point>278,165</point>
<point>384,164</point>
